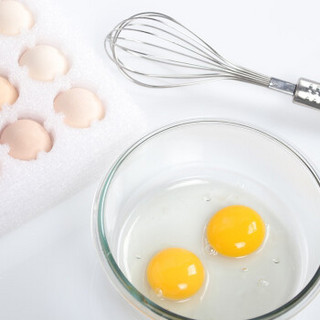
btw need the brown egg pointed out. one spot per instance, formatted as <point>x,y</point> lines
<point>44,62</point>
<point>8,93</point>
<point>79,106</point>
<point>14,18</point>
<point>26,138</point>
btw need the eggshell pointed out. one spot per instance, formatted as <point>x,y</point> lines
<point>8,93</point>
<point>79,106</point>
<point>14,18</point>
<point>44,62</point>
<point>26,138</point>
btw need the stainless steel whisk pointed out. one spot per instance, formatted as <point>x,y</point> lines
<point>155,50</point>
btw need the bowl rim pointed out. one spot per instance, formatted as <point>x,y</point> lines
<point>116,276</point>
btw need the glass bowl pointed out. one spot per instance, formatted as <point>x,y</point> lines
<point>234,153</point>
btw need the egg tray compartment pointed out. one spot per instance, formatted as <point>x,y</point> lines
<point>78,156</point>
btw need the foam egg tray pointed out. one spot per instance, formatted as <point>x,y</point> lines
<point>63,119</point>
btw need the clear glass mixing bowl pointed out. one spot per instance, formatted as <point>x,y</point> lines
<point>196,147</point>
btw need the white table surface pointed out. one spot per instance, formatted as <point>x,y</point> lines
<point>49,268</point>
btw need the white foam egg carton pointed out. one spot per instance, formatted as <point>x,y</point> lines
<point>78,155</point>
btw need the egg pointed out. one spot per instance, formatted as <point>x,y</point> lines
<point>175,214</point>
<point>44,62</point>
<point>26,138</point>
<point>175,273</point>
<point>79,106</point>
<point>236,231</point>
<point>8,93</point>
<point>14,18</point>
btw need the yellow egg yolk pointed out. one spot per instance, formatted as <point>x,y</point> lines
<point>175,273</point>
<point>236,231</point>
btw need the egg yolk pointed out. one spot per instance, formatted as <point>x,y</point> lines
<point>175,273</point>
<point>236,231</point>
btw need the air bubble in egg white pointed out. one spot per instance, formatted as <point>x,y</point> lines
<point>263,283</point>
<point>210,250</point>
<point>159,293</point>
<point>206,198</point>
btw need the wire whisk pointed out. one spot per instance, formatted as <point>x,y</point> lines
<point>156,51</point>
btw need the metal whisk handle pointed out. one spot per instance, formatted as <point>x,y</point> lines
<point>306,92</point>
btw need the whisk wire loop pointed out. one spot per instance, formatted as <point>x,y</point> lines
<point>154,50</point>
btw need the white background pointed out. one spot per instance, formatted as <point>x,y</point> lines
<point>48,267</point>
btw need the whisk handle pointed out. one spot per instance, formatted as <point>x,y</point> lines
<point>307,93</point>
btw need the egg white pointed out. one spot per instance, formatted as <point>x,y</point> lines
<point>176,215</point>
